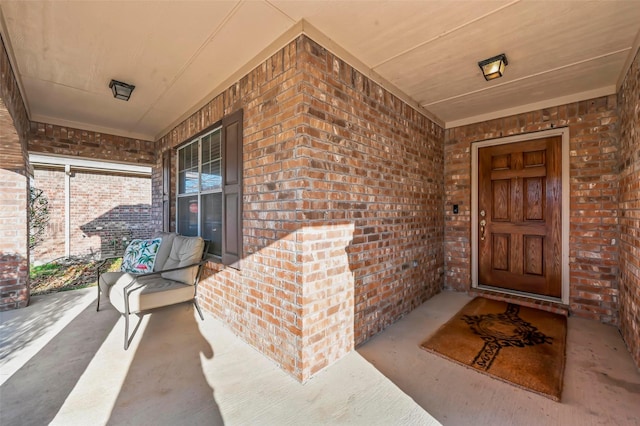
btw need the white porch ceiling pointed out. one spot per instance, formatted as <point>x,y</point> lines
<point>179,54</point>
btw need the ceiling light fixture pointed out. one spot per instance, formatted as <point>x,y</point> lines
<point>121,90</point>
<point>493,67</point>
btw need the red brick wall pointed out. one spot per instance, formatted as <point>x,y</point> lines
<point>262,302</point>
<point>105,208</point>
<point>377,164</point>
<point>69,142</point>
<point>593,251</point>
<point>629,109</point>
<point>14,198</point>
<point>343,188</point>
<point>51,182</point>
<point>14,252</point>
<point>118,203</point>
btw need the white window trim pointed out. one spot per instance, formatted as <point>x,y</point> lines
<point>199,193</point>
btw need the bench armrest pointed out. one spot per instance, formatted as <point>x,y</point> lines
<point>103,261</point>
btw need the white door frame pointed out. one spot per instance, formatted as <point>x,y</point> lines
<point>564,132</point>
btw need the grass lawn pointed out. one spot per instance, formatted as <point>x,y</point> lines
<point>68,274</point>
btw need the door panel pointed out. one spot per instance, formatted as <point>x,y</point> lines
<point>534,190</point>
<point>520,216</point>
<point>501,250</point>
<point>501,194</point>
<point>534,253</point>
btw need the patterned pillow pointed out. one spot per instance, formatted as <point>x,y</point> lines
<point>140,256</point>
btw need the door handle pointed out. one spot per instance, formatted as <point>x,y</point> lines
<point>483,224</point>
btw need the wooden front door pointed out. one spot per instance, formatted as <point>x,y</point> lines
<point>519,220</point>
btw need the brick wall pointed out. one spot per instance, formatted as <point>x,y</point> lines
<point>70,142</point>
<point>120,204</point>
<point>261,302</point>
<point>377,164</point>
<point>629,110</point>
<point>14,253</point>
<point>105,208</point>
<point>593,252</point>
<point>51,182</point>
<point>343,188</point>
<point>14,175</point>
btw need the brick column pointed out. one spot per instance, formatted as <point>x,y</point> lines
<point>327,296</point>
<point>14,195</point>
<point>14,230</point>
<point>629,110</point>
<point>343,187</point>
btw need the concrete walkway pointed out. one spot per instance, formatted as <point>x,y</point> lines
<point>601,382</point>
<point>62,363</point>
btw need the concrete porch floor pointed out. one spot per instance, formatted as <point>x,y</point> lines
<point>63,363</point>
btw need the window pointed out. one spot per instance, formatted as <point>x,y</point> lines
<point>200,190</point>
<point>209,188</point>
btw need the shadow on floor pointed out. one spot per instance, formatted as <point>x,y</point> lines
<point>21,327</point>
<point>83,376</point>
<point>176,382</point>
<point>35,393</point>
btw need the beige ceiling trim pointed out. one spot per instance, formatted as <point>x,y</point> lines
<point>547,103</point>
<point>12,61</point>
<point>342,53</point>
<point>445,33</point>
<point>52,120</point>
<point>89,127</point>
<point>302,27</point>
<point>193,57</point>
<point>267,52</point>
<point>630,58</point>
<point>515,80</point>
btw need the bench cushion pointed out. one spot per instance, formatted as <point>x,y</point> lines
<point>160,289</point>
<point>108,279</point>
<point>184,251</point>
<point>150,292</point>
<point>164,250</point>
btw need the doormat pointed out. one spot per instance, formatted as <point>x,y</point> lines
<point>518,345</point>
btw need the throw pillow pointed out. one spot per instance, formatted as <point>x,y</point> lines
<point>140,256</point>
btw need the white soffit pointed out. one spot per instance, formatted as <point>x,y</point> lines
<point>537,42</point>
<point>226,51</point>
<point>506,96</point>
<point>377,31</point>
<point>71,50</point>
<point>179,54</point>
